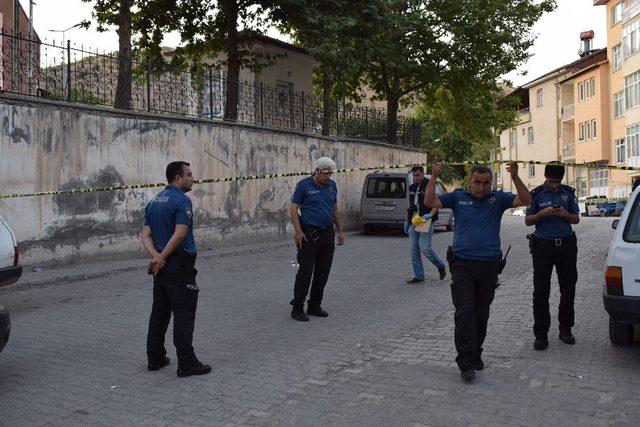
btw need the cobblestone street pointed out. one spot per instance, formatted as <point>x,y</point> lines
<point>384,356</point>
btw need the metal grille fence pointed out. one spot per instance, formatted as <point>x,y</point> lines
<point>73,73</point>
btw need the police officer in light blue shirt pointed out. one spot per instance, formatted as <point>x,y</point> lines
<point>313,212</point>
<point>167,236</point>
<point>476,253</point>
<point>553,209</point>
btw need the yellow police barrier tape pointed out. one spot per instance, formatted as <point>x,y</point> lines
<point>290,174</point>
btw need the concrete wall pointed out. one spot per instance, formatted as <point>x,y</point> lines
<point>50,146</point>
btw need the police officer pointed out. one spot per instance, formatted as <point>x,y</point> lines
<point>476,254</point>
<point>421,241</point>
<point>314,211</point>
<point>167,236</point>
<point>553,209</point>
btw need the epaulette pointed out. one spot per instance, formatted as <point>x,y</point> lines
<point>537,190</point>
<point>568,188</point>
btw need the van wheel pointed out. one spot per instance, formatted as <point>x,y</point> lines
<point>620,333</point>
<point>368,229</point>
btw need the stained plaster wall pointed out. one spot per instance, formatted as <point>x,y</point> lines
<point>49,146</point>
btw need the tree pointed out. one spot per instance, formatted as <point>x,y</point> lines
<point>333,31</point>
<point>223,29</point>
<point>118,13</point>
<point>422,45</point>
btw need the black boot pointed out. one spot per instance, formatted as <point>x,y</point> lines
<point>541,343</point>
<point>197,368</point>
<point>567,337</point>
<point>316,310</point>
<point>155,365</point>
<point>297,313</point>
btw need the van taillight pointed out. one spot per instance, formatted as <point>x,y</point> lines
<point>613,280</point>
<point>16,255</point>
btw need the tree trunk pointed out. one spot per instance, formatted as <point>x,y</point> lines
<point>393,103</point>
<point>123,88</point>
<point>230,8</point>
<point>326,100</point>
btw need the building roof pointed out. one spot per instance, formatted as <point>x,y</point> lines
<point>265,40</point>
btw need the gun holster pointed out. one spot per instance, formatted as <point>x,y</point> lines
<point>532,242</point>
<point>503,261</point>
<point>450,257</point>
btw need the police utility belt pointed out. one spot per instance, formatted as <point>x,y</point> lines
<point>560,241</point>
<point>502,262</point>
<point>312,228</point>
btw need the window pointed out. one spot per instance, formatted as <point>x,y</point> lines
<point>387,188</point>
<point>621,150</point>
<point>530,135</point>
<point>513,138</point>
<point>213,91</point>
<point>580,91</point>
<point>618,104</point>
<point>587,88</point>
<point>284,98</point>
<point>598,182</point>
<point>592,83</point>
<point>523,131</point>
<point>532,171</point>
<point>633,140</point>
<point>617,57</point>
<point>593,129</point>
<point>581,132</point>
<point>630,39</point>
<point>632,91</point>
<point>616,13</point>
<point>587,131</point>
<point>539,97</point>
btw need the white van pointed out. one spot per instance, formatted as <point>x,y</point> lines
<point>385,200</point>
<point>621,292</point>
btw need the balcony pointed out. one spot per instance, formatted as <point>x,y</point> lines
<point>568,151</point>
<point>630,11</point>
<point>524,115</point>
<point>568,111</point>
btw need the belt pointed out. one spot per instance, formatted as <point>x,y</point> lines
<point>318,229</point>
<point>560,241</point>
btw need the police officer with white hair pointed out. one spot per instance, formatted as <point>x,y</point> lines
<point>313,212</point>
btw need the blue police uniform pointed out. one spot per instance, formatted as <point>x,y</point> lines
<point>474,267</point>
<point>174,287</point>
<point>315,254</point>
<point>553,244</point>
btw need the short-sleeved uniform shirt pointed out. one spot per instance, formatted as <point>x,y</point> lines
<point>420,190</point>
<point>316,203</point>
<point>553,227</point>
<point>170,207</point>
<point>476,236</point>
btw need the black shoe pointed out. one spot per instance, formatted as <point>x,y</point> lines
<point>468,375</point>
<point>541,343</point>
<point>316,311</point>
<point>479,365</point>
<point>415,280</point>
<point>443,272</point>
<point>299,314</point>
<point>157,365</point>
<point>197,369</point>
<point>567,337</point>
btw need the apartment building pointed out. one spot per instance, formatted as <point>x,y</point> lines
<point>537,134</point>
<point>623,42</point>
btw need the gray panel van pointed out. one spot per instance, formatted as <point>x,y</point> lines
<point>385,199</point>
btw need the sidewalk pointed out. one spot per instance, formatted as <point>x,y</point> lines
<point>76,271</point>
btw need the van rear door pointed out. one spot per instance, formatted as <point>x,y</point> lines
<point>385,199</point>
<point>626,251</point>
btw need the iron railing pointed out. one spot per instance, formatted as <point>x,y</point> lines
<point>68,72</point>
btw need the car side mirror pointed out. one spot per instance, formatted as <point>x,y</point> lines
<point>615,223</point>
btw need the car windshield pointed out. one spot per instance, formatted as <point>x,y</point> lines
<point>632,228</point>
<point>387,188</point>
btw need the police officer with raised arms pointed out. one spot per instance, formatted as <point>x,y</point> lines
<point>476,254</point>
<point>313,212</point>
<point>553,209</point>
<point>167,236</point>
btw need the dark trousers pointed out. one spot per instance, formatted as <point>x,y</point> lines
<point>546,254</point>
<point>472,291</point>
<point>315,256</point>
<point>174,290</point>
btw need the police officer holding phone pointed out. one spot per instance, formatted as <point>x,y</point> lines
<point>313,212</point>
<point>553,210</point>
